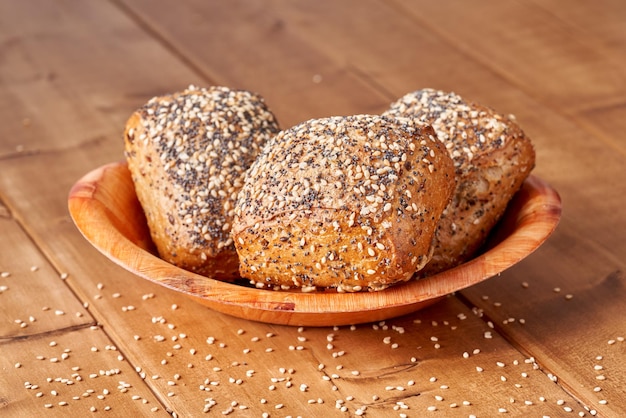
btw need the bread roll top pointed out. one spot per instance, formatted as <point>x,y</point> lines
<point>344,202</point>
<point>188,153</point>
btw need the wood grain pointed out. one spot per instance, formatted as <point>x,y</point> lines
<point>71,373</point>
<point>299,80</point>
<point>48,107</point>
<point>33,296</point>
<point>497,34</point>
<point>558,66</point>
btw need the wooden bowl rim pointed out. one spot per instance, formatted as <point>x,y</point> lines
<point>93,211</point>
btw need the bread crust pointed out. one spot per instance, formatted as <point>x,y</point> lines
<point>492,158</point>
<point>187,153</point>
<point>349,203</point>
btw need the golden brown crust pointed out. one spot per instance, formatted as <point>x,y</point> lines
<point>492,157</point>
<point>350,203</point>
<point>187,153</point>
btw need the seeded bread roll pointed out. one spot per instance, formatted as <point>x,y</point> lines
<point>349,203</point>
<point>187,153</point>
<point>492,158</point>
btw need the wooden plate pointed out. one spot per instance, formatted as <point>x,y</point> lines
<point>104,207</point>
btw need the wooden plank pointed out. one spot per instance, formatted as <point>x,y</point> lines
<point>45,106</point>
<point>431,349</point>
<point>392,50</point>
<point>265,53</point>
<point>588,340</point>
<point>608,124</point>
<point>71,373</point>
<point>569,75</point>
<point>602,21</point>
<point>33,296</point>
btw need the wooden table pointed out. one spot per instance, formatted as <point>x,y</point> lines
<point>80,336</point>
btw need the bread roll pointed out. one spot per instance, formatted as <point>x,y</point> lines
<point>187,153</point>
<point>492,157</point>
<point>349,203</point>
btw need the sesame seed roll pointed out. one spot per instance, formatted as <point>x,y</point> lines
<point>492,158</point>
<point>349,203</point>
<point>187,153</point>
